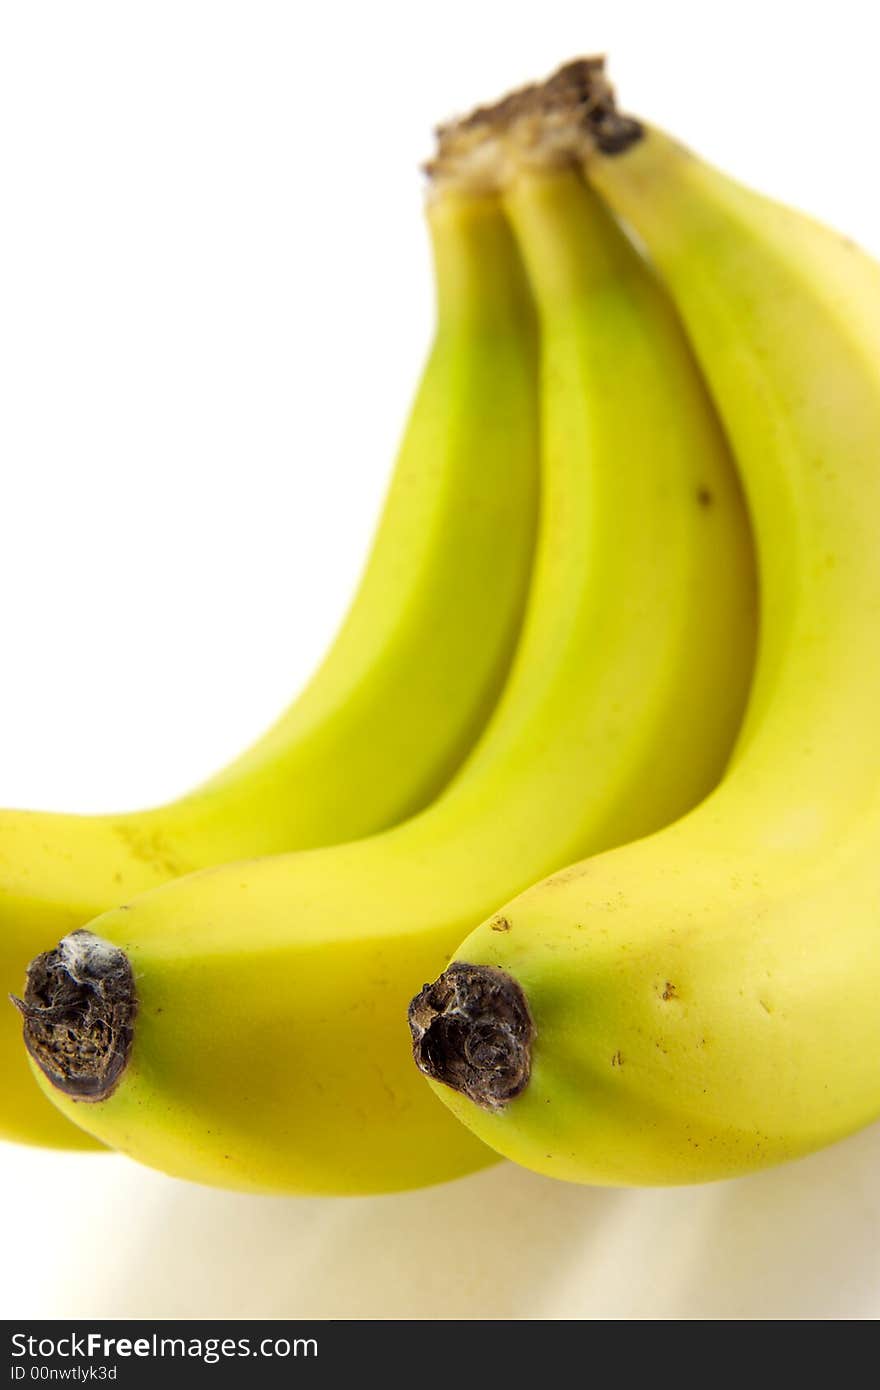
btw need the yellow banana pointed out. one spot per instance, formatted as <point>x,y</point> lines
<point>407,686</point>
<point>704,1002</point>
<point>269,1047</point>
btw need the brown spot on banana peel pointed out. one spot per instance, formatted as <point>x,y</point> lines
<point>472,1030</point>
<point>79,1009</point>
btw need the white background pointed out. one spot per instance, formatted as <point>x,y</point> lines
<point>215,303</point>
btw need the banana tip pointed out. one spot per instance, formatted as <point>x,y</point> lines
<point>473,1031</point>
<point>79,1008</point>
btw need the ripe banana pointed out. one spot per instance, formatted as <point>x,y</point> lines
<point>409,683</point>
<point>268,1049</point>
<point>704,1003</point>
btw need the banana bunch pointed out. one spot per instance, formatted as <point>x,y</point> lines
<point>406,687</point>
<point>704,1002</point>
<point>544,713</point>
